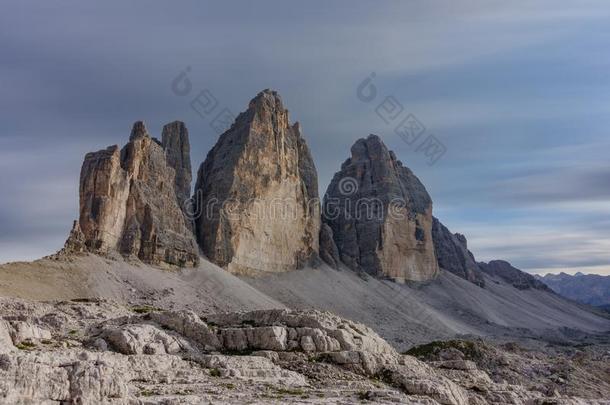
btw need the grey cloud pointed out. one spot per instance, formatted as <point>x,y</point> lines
<point>485,77</point>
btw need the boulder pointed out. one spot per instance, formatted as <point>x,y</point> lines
<point>311,331</point>
<point>261,338</point>
<point>6,342</point>
<point>259,200</point>
<point>417,378</point>
<point>142,339</point>
<point>380,215</point>
<point>188,324</point>
<point>21,331</point>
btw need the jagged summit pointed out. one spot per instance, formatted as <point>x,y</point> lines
<point>519,279</point>
<point>129,202</point>
<point>259,189</point>
<point>380,215</point>
<point>138,130</point>
<point>267,95</point>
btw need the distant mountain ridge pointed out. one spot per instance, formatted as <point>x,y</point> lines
<point>591,289</point>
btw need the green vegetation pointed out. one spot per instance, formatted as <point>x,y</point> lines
<point>471,350</point>
<point>145,309</point>
<point>290,391</point>
<point>215,372</point>
<point>82,300</point>
<point>25,346</point>
<point>147,393</point>
<point>364,396</point>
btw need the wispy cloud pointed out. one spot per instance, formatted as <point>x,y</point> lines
<point>518,92</point>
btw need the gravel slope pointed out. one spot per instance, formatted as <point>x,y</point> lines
<point>448,306</point>
<point>404,315</point>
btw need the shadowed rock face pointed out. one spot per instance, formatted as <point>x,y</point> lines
<point>259,198</point>
<point>519,279</point>
<point>328,249</point>
<point>175,141</point>
<point>129,204</point>
<point>452,253</point>
<point>381,215</point>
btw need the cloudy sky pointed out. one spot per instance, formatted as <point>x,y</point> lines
<point>517,92</point>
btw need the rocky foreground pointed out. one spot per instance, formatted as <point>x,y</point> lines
<point>97,351</point>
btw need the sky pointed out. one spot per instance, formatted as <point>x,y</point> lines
<point>517,93</point>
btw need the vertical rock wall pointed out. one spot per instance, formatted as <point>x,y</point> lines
<point>259,198</point>
<point>129,200</point>
<point>381,215</point>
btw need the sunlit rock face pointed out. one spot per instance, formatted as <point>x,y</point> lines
<point>257,193</point>
<point>381,215</point>
<point>129,202</point>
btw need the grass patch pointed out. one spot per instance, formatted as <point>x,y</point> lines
<point>290,391</point>
<point>230,386</point>
<point>215,372</point>
<point>73,332</point>
<point>364,396</point>
<point>46,342</point>
<point>82,300</point>
<point>25,346</point>
<point>147,393</point>
<point>470,349</point>
<point>145,309</point>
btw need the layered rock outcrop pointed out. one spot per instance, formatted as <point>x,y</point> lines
<point>452,254</point>
<point>381,215</point>
<point>97,351</point>
<point>257,193</point>
<point>130,202</point>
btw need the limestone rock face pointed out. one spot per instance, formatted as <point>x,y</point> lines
<point>381,215</point>
<point>453,255</point>
<point>96,351</point>
<point>257,193</point>
<point>328,249</point>
<point>129,201</point>
<point>175,141</point>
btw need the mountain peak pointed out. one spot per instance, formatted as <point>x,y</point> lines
<point>384,226</point>
<point>138,130</point>
<point>260,162</point>
<point>268,97</point>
